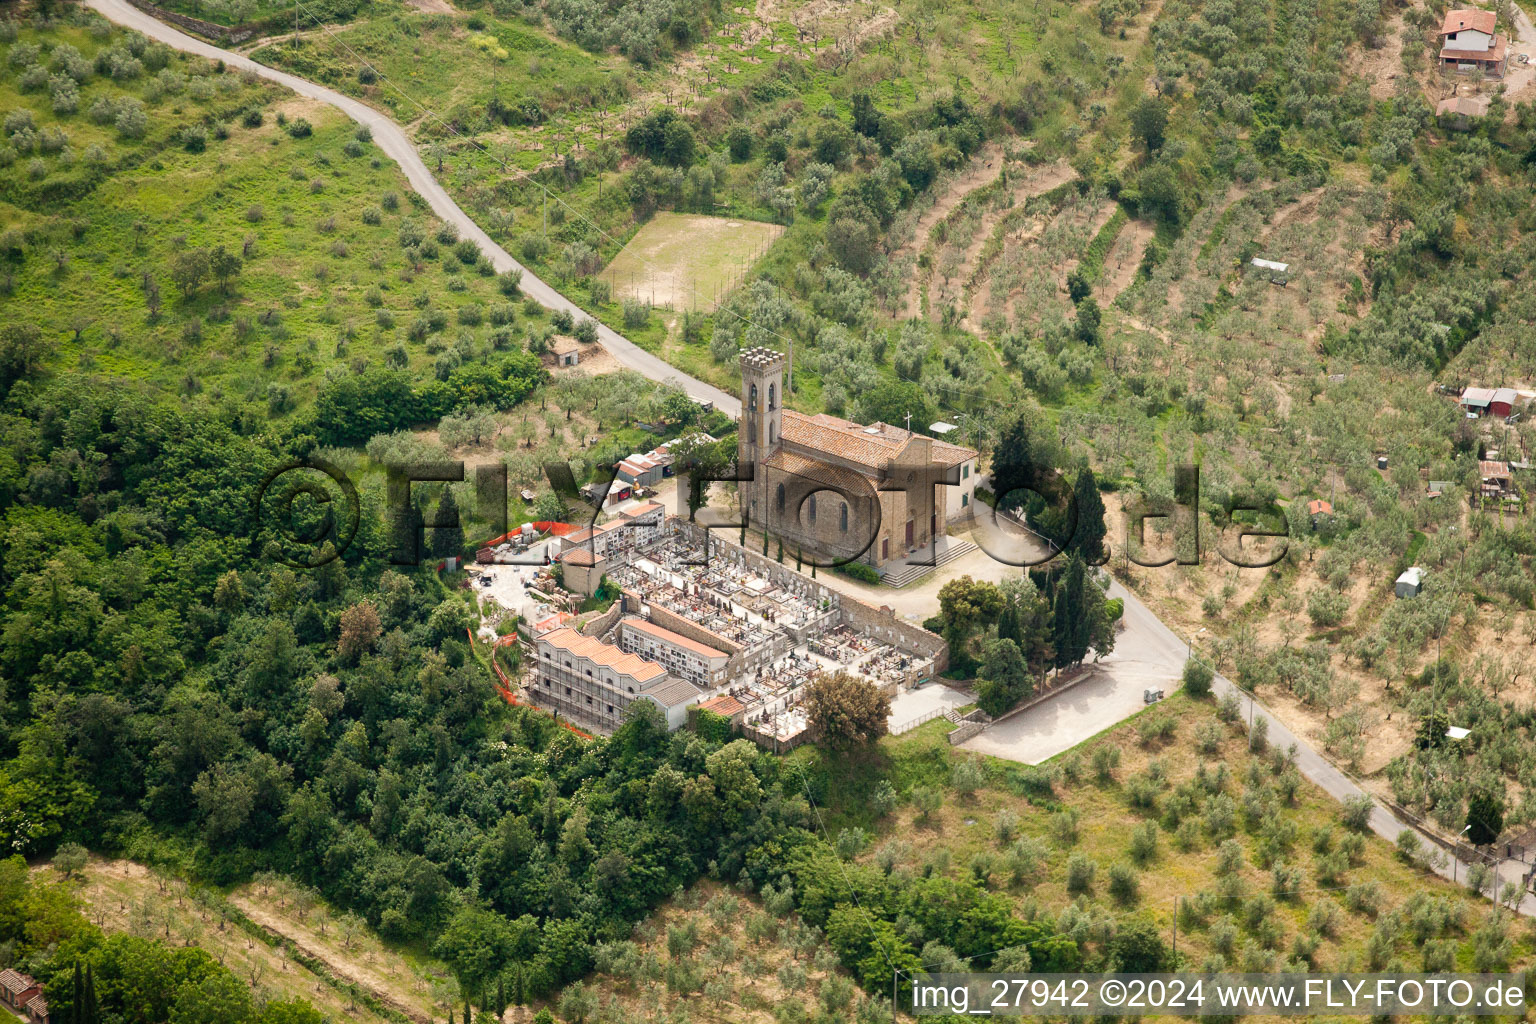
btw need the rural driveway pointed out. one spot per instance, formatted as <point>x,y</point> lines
<point>390,138</point>
<point>1141,661</point>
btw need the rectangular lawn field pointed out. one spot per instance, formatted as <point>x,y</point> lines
<point>688,261</point>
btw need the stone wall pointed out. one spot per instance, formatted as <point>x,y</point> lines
<point>224,34</point>
<point>881,623</point>
<point>600,625</point>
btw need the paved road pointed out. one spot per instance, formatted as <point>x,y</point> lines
<point>1141,661</point>
<point>1147,634</point>
<point>390,138</point>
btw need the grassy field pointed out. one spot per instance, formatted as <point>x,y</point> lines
<point>686,261</point>
<point>1169,810</point>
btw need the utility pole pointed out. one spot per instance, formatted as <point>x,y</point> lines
<point>1175,933</point>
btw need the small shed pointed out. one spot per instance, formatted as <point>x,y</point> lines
<point>942,429</point>
<point>1477,401</point>
<point>1503,401</point>
<point>1278,273</point>
<point>565,351</point>
<point>1456,112</point>
<point>1410,582</point>
<point>1495,474</point>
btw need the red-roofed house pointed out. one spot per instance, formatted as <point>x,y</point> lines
<point>17,989</point>
<point>1468,42</point>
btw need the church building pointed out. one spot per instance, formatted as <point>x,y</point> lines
<point>836,490</point>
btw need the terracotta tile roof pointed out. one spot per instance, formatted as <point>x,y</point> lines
<point>599,653</point>
<point>676,639</point>
<point>640,510</point>
<point>1472,106</point>
<point>873,447</point>
<point>1318,506</point>
<point>15,982</point>
<point>554,621</point>
<point>579,556</point>
<point>724,704</point>
<point>39,1006</point>
<point>671,691</point>
<point>1459,18</point>
<point>1493,54</point>
<point>850,483</point>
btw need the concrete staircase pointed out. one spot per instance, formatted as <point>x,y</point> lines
<point>903,574</point>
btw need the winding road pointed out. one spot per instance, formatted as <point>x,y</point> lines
<point>391,138</point>
<point>1156,647</point>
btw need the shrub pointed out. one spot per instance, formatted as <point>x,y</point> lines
<point>300,128</point>
<point>1106,760</point>
<point>1356,813</point>
<point>637,314</point>
<point>1197,678</point>
<point>1124,886</point>
<point>1258,736</point>
<point>859,571</point>
<point>1143,847</point>
<point>586,331</point>
<point>1080,875</point>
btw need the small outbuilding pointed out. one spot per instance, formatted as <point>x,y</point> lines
<point>1410,583</point>
<point>1503,402</point>
<point>1278,273</point>
<point>1477,401</point>
<point>566,351</point>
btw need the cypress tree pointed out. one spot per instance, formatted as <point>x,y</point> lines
<point>1070,627</point>
<point>1088,538</point>
<point>92,1008</point>
<point>448,532</point>
<point>77,1000</point>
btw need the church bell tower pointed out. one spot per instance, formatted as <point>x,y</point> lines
<point>760,431</point>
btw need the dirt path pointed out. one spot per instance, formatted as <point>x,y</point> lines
<point>388,990</point>
<point>1520,82</point>
<point>1037,182</point>
<point>1124,259</point>
<point>984,169</point>
<point>125,896</point>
